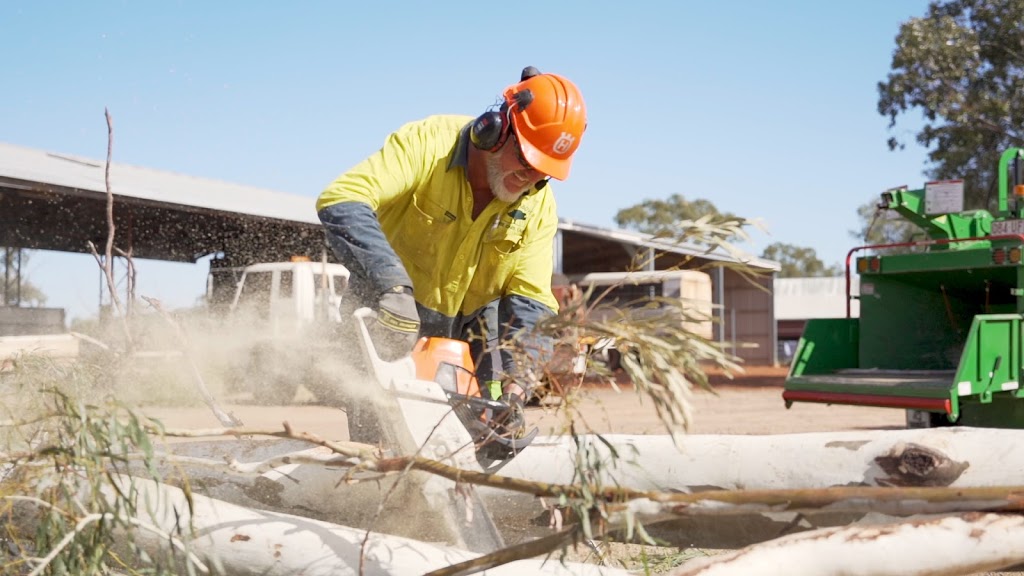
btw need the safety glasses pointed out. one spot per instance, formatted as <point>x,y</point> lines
<point>519,153</point>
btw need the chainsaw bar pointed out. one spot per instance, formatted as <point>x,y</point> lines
<point>493,441</point>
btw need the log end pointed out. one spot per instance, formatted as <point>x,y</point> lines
<point>909,464</point>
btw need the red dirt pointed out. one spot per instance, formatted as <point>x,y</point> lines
<point>751,376</point>
<point>750,403</point>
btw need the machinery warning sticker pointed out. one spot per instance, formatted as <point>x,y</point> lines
<point>944,197</point>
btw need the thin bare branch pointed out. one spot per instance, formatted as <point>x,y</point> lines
<point>108,252</point>
<point>528,549</point>
<point>56,550</point>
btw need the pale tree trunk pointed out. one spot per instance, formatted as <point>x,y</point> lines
<point>955,457</point>
<point>962,544</point>
<point>233,540</point>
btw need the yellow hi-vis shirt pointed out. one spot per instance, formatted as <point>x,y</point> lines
<point>417,185</point>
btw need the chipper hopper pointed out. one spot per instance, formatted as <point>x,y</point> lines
<point>939,331</point>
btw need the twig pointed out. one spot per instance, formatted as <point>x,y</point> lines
<point>108,252</point>
<point>111,227</point>
<point>45,561</point>
<point>528,549</point>
<point>106,262</point>
<point>33,500</point>
<point>332,460</point>
<point>351,449</point>
<point>90,340</point>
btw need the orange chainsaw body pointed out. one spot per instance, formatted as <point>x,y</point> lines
<point>448,362</point>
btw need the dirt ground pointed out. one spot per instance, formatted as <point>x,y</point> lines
<point>749,404</point>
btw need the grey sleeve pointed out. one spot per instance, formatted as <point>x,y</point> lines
<point>355,236</point>
<point>517,316</point>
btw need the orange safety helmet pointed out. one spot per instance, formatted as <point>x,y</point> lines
<point>548,117</point>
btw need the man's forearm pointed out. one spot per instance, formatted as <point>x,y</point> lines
<point>357,240</point>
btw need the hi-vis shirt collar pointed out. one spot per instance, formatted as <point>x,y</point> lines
<point>460,153</point>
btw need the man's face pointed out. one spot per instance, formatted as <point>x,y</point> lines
<point>508,173</point>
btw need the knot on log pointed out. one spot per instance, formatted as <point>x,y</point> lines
<point>909,464</point>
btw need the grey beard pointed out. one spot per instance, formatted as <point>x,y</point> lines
<point>496,180</point>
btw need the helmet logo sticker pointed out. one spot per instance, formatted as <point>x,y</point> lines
<point>563,143</point>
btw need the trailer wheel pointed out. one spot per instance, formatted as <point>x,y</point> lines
<point>926,419</point>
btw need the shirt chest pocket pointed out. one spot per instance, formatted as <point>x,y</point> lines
<point>500,249</point>
<point>423,234</point>
<point>504,236</point>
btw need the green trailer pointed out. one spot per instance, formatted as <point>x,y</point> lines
<point>939,332</point>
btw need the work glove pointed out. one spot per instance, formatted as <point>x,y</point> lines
<point>513,418</point>
<point>398,324</point>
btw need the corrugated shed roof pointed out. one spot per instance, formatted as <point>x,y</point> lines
<point>32,165</point>
<point>642,240</point>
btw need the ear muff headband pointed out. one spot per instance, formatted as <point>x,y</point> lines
<point>490,130</point>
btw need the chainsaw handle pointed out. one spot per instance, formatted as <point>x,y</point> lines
<point>384,371</point>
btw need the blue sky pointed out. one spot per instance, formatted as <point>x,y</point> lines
<point>766,108</point>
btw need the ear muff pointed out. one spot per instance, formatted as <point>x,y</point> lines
<point>490,129</point>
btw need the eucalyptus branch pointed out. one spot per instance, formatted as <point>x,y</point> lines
<point>67,539</point>
<point>89,519</point>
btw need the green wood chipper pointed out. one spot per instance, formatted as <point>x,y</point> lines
<point>939,332</point>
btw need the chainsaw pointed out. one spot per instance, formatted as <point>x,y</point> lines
<point>446,364</point>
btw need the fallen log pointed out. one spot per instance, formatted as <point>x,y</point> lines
<point>234,540</point>
<point>956,457</point>
<point>961,544</point>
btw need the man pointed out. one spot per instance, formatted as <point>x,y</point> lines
<point>448,229</point>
